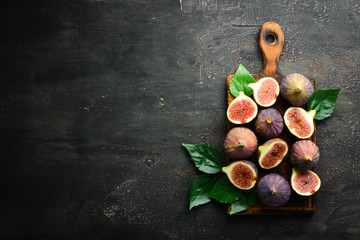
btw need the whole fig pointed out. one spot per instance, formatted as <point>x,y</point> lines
<point>242,174</point>
<point>240,143</point>
<point>273,190</point>
<point>269,123</point>
<point>304,155</point>
<point>296,89</point>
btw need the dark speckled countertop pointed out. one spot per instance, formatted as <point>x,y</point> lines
<point>98,95</point>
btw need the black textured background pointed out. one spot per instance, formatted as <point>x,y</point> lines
<point>98,95</point>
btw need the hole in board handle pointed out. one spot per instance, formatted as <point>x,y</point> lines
<point>270,38</point>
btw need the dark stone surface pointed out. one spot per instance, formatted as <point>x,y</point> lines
<point>98,95</point>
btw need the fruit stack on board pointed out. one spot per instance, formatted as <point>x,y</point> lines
<point>271,138</point>
<point>270,146</point>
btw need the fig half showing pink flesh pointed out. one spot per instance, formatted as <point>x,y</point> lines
<point>242,109</point>
<point>272,152</point>
<point>242,174</point>
<point>265,91</point>
<point>305,183</point>
<point>300,122</point>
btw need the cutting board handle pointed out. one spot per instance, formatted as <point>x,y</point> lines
<point>271,41</point>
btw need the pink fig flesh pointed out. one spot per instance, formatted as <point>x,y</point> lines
<point>272,152</point>
<point>242,109</point>
<point>265,91</point>
<point>242,174</point>
<point>300,122</point>
<point>305,183</point>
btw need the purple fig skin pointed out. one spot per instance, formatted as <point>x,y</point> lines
<point>273,190</point>
<point>268,142</point>
<point>304,155</point>
<point>240,143</point>
<point>296,89</point>
<point>269,123</point>
<point>252,165</point>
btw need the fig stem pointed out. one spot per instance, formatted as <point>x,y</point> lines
<point>272,192</point>
<point>237,144</point>
<point>312,113</point>
<point>308,159</point>
<point>268,120</point>
<point>261,148</point>
<point>298,90</point>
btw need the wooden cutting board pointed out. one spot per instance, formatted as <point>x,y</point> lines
<point>271,41</point>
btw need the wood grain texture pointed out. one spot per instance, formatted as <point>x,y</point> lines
<point>97,96</point>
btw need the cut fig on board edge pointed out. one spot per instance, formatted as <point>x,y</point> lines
<point>296,89</point>
<point>272,152</point>
<point>269,123</point>
<point>240,143</point>
<point>242,174</point>
<point>305,183</point>
<point>265,91</point>
<point>242,109</point>
<point>304,155</point>
<point>273,190</point>
<point>300,122</point>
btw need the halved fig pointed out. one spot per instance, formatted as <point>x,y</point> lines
<point>300,122</point>
<point>273,190</point>
<point>305,183</point>
<point>296,89</point>
<point>304,155</point>
<point>272,152</point>
<point>265,91</point>
<point>240,143</point>
<point>242,109</point>
<point>242,174</point>
<point>269,123</point>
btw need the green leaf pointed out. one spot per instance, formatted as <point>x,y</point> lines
<point>323,101</point>
<point>240,82</point>
<point>200,190</point>
<point>248,198</point>
<point>224,191</point>
<point>206,158</point>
